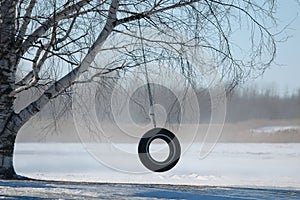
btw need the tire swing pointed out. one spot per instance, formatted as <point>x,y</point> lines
<point>156,133</point>
<point>174,150</point>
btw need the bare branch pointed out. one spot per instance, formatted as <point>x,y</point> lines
<point>26,20</point>
<point>68,79</point>
<point>153,11</point>
<point>63,14</point>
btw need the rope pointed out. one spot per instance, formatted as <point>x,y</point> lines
<point>152,114</point>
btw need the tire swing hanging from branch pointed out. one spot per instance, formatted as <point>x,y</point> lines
<point>156,133</point>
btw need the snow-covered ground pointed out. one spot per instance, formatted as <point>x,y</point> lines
<point>275,129</point>
<point>57,190</point>
<point>229,164</point>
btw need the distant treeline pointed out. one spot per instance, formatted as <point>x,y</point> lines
<point>250,103</point>
<point>242,104</point>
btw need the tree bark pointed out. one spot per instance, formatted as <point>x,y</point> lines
<point>7,137</point>
<point>7,171</point>
<point>7,85</point>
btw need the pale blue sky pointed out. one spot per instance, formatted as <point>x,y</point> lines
<point>288,75</point>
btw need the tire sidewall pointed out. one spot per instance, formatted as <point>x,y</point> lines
<point>174,150</point>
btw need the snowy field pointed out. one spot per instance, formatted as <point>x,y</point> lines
<point>270,170</point>
<point>275,129</point>
<point>229,164</point>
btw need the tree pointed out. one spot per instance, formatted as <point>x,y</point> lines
<point>49,44</point>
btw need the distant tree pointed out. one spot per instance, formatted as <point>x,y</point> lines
<point>49,44</point>
<point>252,103</point>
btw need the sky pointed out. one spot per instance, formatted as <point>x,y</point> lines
<point>286,75</point>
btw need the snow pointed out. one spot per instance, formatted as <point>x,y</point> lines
<point>275,129</point>
<point>58,190</point>
<point>229,164</point>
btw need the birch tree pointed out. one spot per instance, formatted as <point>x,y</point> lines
<point>49,44</point>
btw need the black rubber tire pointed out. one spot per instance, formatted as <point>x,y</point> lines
<point>174,150</point>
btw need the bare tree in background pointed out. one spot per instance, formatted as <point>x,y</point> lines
<point>49,44</point>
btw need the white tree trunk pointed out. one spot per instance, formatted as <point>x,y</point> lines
<point>7,137</point>
<point>7,140</point>
<point>7,84</point>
